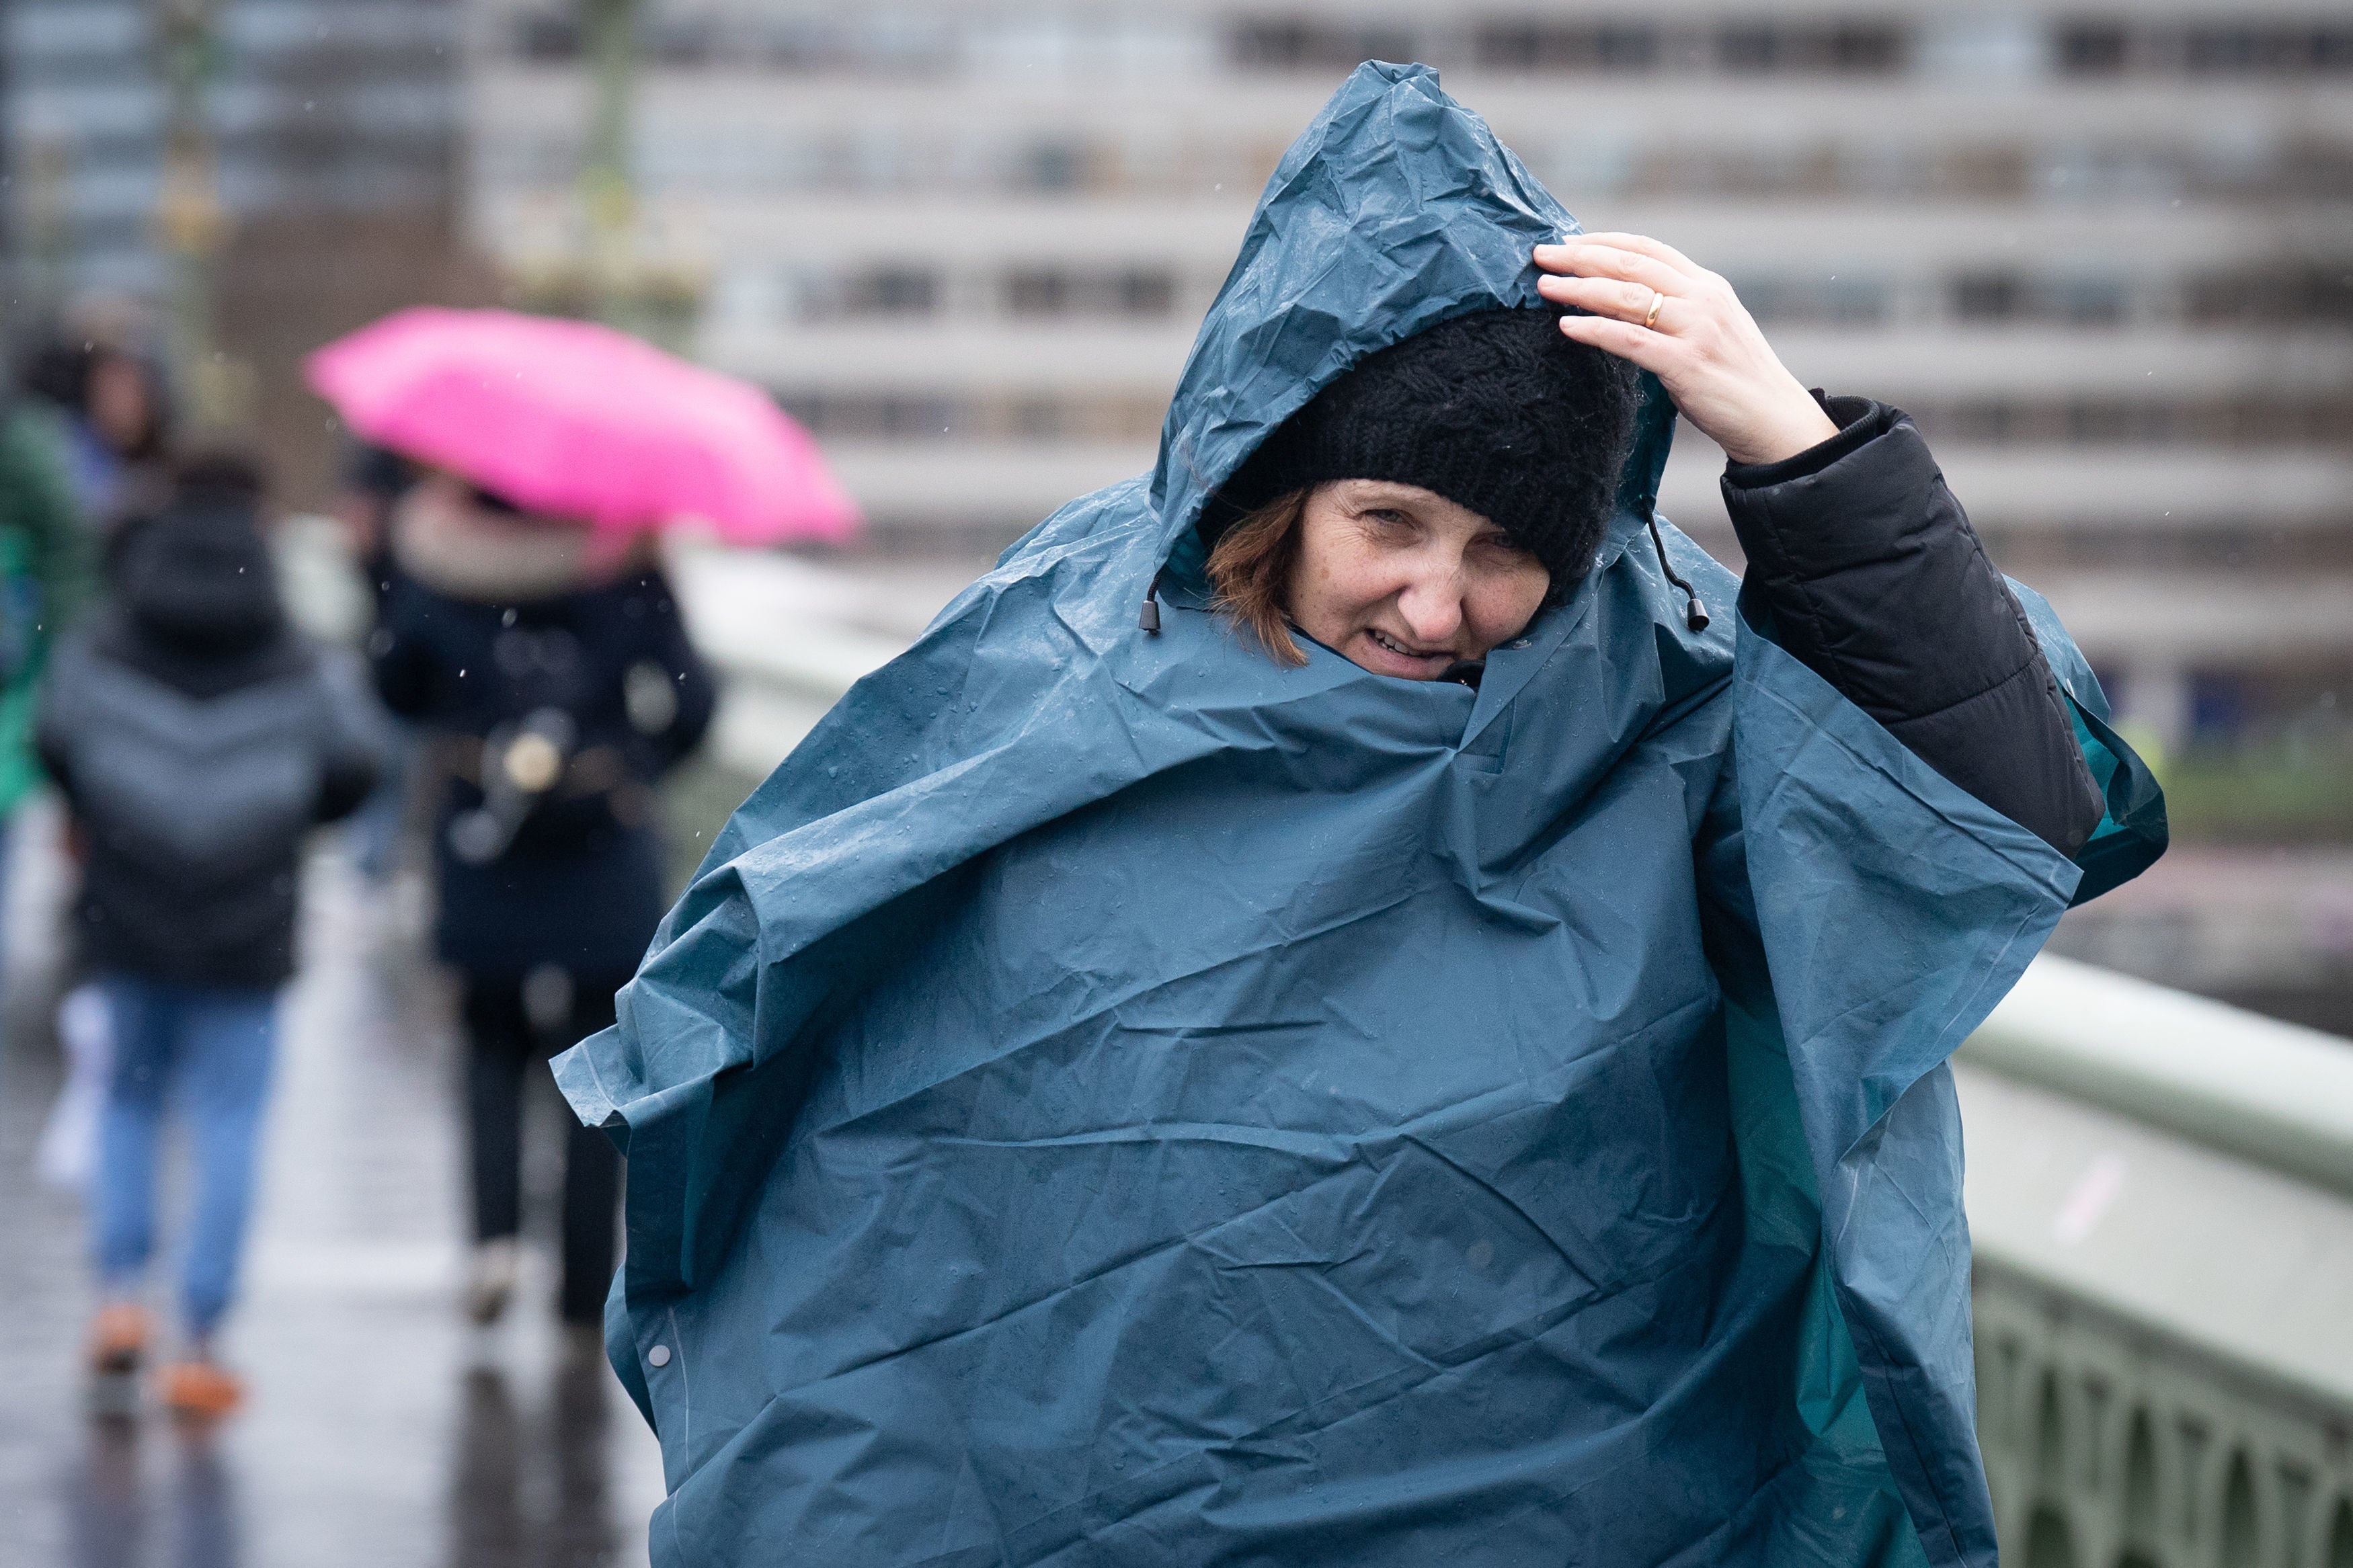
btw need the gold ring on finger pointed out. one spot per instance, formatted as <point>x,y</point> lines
<point>1652,318</point>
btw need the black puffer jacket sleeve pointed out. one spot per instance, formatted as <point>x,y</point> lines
<point>1878,585</point>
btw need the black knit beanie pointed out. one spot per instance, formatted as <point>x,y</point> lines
<point>1496,411</point>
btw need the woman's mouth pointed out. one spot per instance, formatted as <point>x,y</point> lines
<point>1402,654</point>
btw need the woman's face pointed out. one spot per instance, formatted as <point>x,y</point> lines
<point>1404,582</point>
<point>121,408</point>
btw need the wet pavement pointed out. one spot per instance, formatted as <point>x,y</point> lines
<point>383,1430</point>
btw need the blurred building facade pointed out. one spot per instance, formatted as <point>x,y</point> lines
<point>2104,254</point>
<point>240,177</point>
<point>312,105</point>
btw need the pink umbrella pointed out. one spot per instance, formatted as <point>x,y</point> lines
<point>577,420</point>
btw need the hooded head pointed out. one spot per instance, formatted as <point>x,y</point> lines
<point>119,395</point>
<point>1398,212</point>
<point>1496,412</point>
<point>196,578</point>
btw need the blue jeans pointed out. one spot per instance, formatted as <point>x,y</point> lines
<point>210,1048</point>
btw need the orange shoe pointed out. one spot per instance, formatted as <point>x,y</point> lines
<point>118,1339</point>
<point>200,1389</point>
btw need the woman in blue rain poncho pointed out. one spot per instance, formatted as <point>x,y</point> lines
<point>1427,1048</point>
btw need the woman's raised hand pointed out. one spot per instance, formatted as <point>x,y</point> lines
<point>1653,305</point>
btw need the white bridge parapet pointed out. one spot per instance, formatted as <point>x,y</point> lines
<point>2160,1193</point>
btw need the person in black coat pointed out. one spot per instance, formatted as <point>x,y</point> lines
<point>197,738</point>
<point>556,691</point>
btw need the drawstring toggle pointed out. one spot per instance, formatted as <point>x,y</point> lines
<point>1148,618</point>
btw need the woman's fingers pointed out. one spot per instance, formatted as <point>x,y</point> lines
<point>1701,342</point>
<point>1584,260</point>
<point>1653,351</point>
<point>1656,250</point>
<point>1608,297</point>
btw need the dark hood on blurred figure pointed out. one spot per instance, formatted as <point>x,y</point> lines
<point>196,600</point>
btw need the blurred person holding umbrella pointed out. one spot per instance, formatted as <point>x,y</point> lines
<point>554,688</point>
<point>528,628</point>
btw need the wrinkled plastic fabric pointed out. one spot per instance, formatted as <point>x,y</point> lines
<point>1110,1098</point>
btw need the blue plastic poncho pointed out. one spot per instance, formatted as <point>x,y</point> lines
<point>1110,1099</point>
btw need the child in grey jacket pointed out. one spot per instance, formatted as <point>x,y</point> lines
<point>198,738</point>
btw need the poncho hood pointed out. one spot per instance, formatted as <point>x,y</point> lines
<point>1108,1099</point>
<point>1396,210</point>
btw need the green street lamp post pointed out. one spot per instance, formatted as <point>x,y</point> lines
<point>190,220</point>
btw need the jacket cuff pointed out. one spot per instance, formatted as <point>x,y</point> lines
<point>1858,419</point>
<point>1863,496</point>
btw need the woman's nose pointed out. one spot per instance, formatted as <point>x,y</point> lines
<point>1431,605</point>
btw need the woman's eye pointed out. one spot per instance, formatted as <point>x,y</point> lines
<point>1499,555</point>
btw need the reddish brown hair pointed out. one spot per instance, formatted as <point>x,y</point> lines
<point>1250,570</point>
